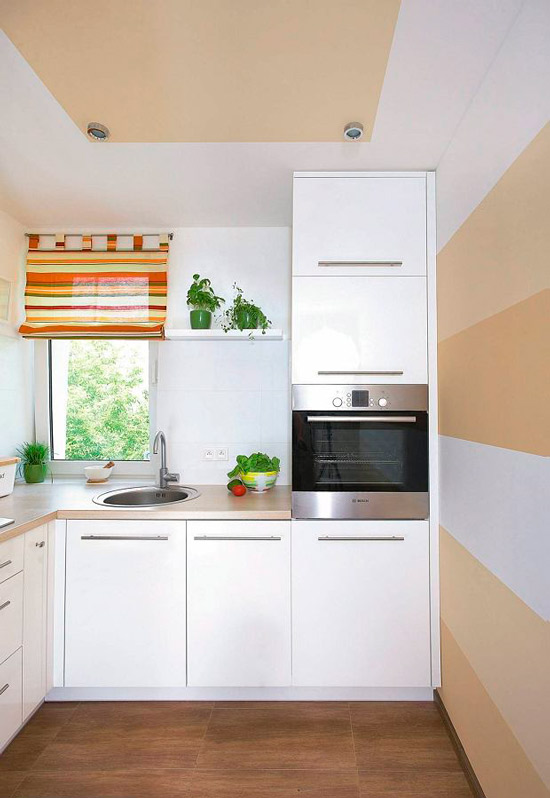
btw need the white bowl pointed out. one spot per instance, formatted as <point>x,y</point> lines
<point>97,473</point>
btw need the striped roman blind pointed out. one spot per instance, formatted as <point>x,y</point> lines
<point>89,293</point>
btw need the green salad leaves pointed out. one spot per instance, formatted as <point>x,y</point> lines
<point>256,462</point>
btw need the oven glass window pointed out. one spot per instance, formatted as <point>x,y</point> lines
<point>360,455</point>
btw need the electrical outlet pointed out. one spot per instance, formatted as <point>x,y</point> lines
<point>208,454</point>
<point>221,453</point>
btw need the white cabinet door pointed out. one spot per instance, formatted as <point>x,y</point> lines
<point>125,604</point>
<point>10,697</point>
<point>360,603</point>
<point>351,225</point>
<point>11,615</point>
<point>238,603</point>
<point>34,618</point>
<point>359,330</point>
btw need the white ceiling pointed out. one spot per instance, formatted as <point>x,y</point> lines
<point>51,176</point>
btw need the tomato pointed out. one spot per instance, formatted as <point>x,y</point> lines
<point>238,490</point>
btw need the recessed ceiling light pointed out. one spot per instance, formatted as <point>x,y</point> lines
<point>353,131</point>
<point>97,131</point>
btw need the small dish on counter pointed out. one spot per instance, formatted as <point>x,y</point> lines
<point>97,474</point>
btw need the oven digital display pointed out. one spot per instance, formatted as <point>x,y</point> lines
<point>359,398</point>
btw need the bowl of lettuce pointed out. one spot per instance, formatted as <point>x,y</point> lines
<point>258,472</point>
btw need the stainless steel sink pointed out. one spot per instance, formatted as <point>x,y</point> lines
<point>146,496</point>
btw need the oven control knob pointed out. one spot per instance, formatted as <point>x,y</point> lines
<point>337,402</point>
<point>382,402</point>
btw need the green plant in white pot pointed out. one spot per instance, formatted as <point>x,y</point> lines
<point>203,301</point>
<point>258,472</point>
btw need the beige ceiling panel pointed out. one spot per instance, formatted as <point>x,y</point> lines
<point>209,70</point>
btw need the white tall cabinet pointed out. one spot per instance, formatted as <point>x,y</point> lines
<point>365,603</point>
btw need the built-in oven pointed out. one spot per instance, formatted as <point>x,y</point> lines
<point>360,451</point>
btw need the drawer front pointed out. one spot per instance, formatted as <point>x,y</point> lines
<point>11,616</point>
<point>11,557</point>
<point>11,698</point>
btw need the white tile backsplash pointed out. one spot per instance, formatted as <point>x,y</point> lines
<point>233,394</point>
<point>221,393</point>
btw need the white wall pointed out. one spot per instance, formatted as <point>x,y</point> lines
<point>232,394</point>
<point>16,375</point>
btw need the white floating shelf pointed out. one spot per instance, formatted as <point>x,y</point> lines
<point>219,335</point>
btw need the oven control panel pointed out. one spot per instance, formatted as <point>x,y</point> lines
<point>360,397</point>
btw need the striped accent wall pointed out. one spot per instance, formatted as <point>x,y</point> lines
<point>494,385</point>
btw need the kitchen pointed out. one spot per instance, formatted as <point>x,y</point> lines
<point>289,638</point>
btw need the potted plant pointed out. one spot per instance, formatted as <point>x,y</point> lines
<point>34,461</point>
<point>203,301</point>
<point>244,314</point>
<point>258,472</point>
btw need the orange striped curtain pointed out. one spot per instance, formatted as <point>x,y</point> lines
<point>86,293</point>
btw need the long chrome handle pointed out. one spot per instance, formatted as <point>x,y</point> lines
<point>4,688</point>
<point>372,263</point>
<point>243,537</point>
<point>3,564</point>
<point>346,537</point>
<point>41,544</point>
<point>380,419</point>
<point>124,537</point>
<point>4,605</point>
<point>359,373</point>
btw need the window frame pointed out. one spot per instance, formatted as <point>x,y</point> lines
<point>42,416</point>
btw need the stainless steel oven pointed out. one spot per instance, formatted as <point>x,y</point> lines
<point>360,451</point>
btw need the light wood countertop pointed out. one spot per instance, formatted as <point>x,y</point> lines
<point>32,505</point>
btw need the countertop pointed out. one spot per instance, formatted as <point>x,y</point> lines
<point>32,505</point>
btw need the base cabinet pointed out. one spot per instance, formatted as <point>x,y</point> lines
<point>238,603</point>
<point>34,618</point>
<point>361,603</point>
<point>125,604</point>
<point>10,696</point>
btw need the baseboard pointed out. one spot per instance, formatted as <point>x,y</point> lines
<point>465,763</point>
<point>240,694</point>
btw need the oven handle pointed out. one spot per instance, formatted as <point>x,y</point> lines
<point>379,418</point>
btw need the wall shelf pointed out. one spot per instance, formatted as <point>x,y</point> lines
<point>173,334</point>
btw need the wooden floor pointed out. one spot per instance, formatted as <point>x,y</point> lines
<point>233,750</point>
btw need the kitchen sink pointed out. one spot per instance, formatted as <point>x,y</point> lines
<point>146,496</point>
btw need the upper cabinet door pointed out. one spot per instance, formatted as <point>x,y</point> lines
<point>359,225</point>
<point>359,330</point>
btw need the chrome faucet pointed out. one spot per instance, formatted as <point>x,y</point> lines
<point>164,475</point>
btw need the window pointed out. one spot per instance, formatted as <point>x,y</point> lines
<point>99,407</point>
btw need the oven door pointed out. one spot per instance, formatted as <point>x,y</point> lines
<point>359,464</point>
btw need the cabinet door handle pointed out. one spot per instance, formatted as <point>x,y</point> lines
<point>360,373</point>
<point>124,537</point>
<point>243,537</point>
<point>4,688</point>
<point>4,605</point>
<point>41,544</point>
<point>3,564</point>
<point>381,419</point>
<point>372,263</point>
<point>350,538</point>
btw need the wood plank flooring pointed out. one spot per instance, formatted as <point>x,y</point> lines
<point>233,750</point>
